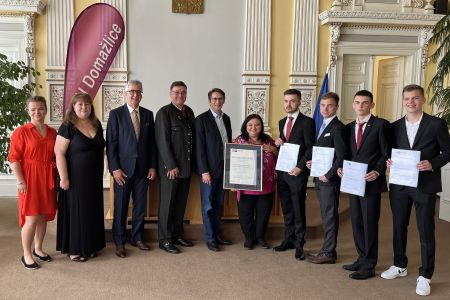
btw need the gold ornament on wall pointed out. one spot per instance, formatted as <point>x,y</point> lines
<point>187,6</point>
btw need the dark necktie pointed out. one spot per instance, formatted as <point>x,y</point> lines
<point>289,128</point>
<point>359,135</point>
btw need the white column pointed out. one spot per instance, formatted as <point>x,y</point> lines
<point>256,74</point>
<point>60,18</point>
<point>304,52</point>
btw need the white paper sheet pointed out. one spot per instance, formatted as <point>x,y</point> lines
<point>353,181</point>
<point>287,157</point>
<point>322,160</point>
<point>404,167</point>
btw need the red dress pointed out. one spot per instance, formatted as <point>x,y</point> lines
<point>36,156</point>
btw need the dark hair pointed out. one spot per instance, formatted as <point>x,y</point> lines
<point>364,93</point>
<point>330,95</point>
<point>244,133</point>
<point>413,87</point>
<point>37,99</point>
<point>71,116</point>
<point>177,83</point>
<point>293,92</point>
<point>216,90</point>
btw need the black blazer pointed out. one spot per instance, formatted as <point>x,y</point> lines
<point>123,150</point>
<point>333,136</point>
<point>374,151</point>
<point>175,140</point>
<point>209,145</point>
<point>302,133</point>
<point>433,142</point>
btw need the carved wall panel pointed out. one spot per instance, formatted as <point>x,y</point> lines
<point>112,97</point>
<point>56,102</point>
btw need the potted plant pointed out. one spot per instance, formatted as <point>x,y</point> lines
<point>13,102</point>
<point>439,85</point>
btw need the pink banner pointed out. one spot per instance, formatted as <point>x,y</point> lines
<point>94,41</point>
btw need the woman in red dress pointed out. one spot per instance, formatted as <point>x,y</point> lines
<point>32,161</point>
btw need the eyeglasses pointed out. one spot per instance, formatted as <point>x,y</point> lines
<point>135,92</point>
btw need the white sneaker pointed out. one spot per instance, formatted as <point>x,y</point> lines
<point>423,286</point>
<point>394,272</point>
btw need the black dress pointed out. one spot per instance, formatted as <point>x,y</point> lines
<point>80,228</point>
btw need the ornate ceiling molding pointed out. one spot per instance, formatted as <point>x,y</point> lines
<point>377,17</point>
<point>22,6</point>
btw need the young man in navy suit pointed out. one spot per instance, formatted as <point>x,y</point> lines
<point>131,152</point>
<point>212,131</point>
<point>367,137</point>
<point>420,132</point>
<point>332,135</point>
<point>295,128</point>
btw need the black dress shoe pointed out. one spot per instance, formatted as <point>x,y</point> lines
<point>120,251</point>
<point>212,245</point>
<point>352,267</point>
<point>32,266</point>
<point>283,247</point>
<point>248,244</point>
<point>46,258</point>
<point>362,274</point>
<point>299,254</point>
<point>221,241</point>
<point>141,245</point>
<point>263,243</point>
<point>182,242</point>
<point>169,247</point>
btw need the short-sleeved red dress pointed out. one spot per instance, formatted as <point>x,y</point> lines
<point>36,156</point>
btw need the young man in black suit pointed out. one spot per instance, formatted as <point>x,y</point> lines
<point>131,152</point>
<point>332,135</point>
<point>420,132</point>
<point>299,129</point>
<point>212,131</point>
<point>367,137</point>
<point>174,131</point>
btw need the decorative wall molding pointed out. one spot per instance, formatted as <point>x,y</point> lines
<point>256,74</point>
<point>335,32</point>
<point>22,6</point>
<point>112,97</point>
<point>377,17</point>
<point>56,92</point>
<point>304,50</point>
<point>308,98</point>
<point>424,39</point>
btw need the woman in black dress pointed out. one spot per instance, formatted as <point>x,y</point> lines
<point>79,159</point>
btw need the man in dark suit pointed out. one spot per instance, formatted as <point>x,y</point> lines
<point>367,137</point>
<point>420,132</point>
<point>299,129</point>
<point>174,127</point>
<point>212,131</point>
<point>332,135</point>
<point>131,152</point>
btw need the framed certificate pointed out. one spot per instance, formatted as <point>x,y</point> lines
<point>243,167</point>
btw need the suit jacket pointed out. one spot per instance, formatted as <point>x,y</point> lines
<point>209,145</point>
<point>374,151</point>
<point>333,136</point>
<point>433,142</point>
<point>175,140</point>
<point>123,149</point>
<point>302,133</point>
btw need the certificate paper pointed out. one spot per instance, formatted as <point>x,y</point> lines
<point>322,160</point>
<point>243,166</point>
<point>287,157</point>
<point>404,167</point>
<point>353,181</point>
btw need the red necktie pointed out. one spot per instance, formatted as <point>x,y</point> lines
<point>359,136</point>
<point>289,128</point>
